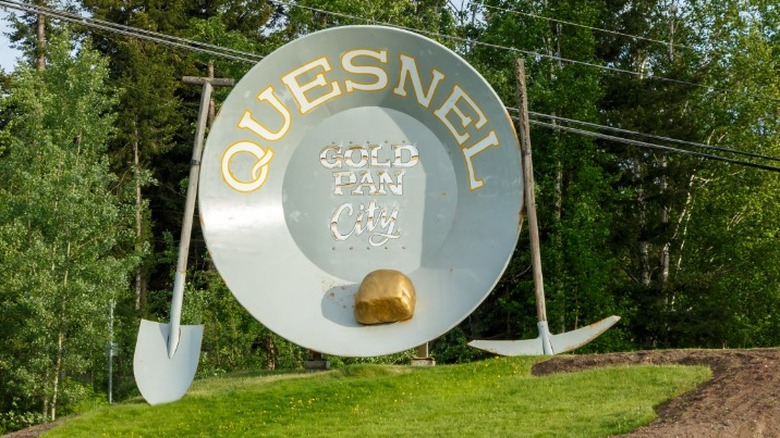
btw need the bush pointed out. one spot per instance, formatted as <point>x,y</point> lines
<point>15,420</point>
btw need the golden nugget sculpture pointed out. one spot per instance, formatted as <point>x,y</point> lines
<point>384,296</point>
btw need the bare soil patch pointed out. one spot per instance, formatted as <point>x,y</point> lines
<point>741,400</point>
<point>33,431</point>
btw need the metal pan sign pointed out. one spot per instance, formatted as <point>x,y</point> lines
<point>355,149</point>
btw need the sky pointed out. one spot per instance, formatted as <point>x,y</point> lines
<point>7,55</point>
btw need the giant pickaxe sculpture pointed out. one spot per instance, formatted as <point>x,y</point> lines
<point>546,343</point>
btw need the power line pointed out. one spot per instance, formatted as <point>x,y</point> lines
<point>652,136</point>
<point>253,58</point>
<point>584,26</point>
<point>532,53</point>
<point>193,45</point>
<point>455,38</point>
<point>644,144</point>
<point>135,32</point>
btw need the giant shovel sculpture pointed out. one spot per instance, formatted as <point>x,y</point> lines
<point>166,355</point>
<point>546,343</point>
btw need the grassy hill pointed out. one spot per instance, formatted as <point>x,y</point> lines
<point>496,397</point>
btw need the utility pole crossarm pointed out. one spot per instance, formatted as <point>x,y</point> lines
<point>216,82</point>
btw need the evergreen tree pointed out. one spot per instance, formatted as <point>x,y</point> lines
<point>657,99</point>
<point>150,118</point>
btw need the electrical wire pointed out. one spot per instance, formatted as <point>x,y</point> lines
<point>644,144</point>
<point>135,32</point>
<point>220,51</point>
<point>253,58</point>
<point>532,53</point>
<point>463,40</point>
<point>652,136</point>
<point>584,26</point>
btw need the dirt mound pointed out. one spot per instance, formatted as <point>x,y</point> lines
<point>741,399</point>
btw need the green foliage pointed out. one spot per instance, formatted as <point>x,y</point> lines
<point>233,340</point>
<point>496,397</point>
<point>59,228</point>
<point>12,420</point>
<point>722,231</point>
<point>400,358</point>
<point>452,348</point>
<point>424,15</point>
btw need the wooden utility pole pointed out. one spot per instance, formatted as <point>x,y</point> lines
<point>40,33</point>
<point>212,110</point>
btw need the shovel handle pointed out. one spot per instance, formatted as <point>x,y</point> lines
<point>530,197</point>
<point>186,229</point>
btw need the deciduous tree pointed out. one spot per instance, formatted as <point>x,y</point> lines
<point>60,226</point>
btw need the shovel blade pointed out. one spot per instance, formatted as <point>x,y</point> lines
<point>558,343</point>
<point>159,378</point>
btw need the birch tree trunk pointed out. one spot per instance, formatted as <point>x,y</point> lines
<point>138,221</point>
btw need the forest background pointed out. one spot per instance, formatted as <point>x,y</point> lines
<point>656,135</point>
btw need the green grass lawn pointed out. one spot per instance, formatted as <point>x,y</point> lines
<point>491,398</point>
